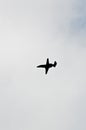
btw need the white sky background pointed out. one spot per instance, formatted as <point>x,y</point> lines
<point>31,31</point>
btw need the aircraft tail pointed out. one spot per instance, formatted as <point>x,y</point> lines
<point>55,63</point>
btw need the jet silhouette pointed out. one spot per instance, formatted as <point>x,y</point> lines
<point>47,65</point>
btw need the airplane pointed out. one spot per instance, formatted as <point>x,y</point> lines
<point>47,65</point>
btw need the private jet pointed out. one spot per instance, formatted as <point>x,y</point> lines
<point>47,66</point>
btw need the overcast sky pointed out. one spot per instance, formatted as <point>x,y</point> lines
<point>31,31</point>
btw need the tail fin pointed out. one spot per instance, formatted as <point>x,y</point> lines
<point>47,61</point>
<point>55,63</point>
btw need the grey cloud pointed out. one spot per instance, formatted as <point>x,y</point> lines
<point>30,32</point>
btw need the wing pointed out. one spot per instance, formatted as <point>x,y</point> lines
<point>46,70</point>
<point>47,62</point>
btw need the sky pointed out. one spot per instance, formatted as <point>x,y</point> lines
<point>30,32</point>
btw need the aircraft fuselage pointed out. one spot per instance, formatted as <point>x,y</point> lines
<point>47,65</point>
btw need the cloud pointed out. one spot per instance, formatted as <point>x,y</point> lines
<point>30,32</point>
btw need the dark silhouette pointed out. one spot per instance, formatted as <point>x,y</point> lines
<point>47,65</point>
